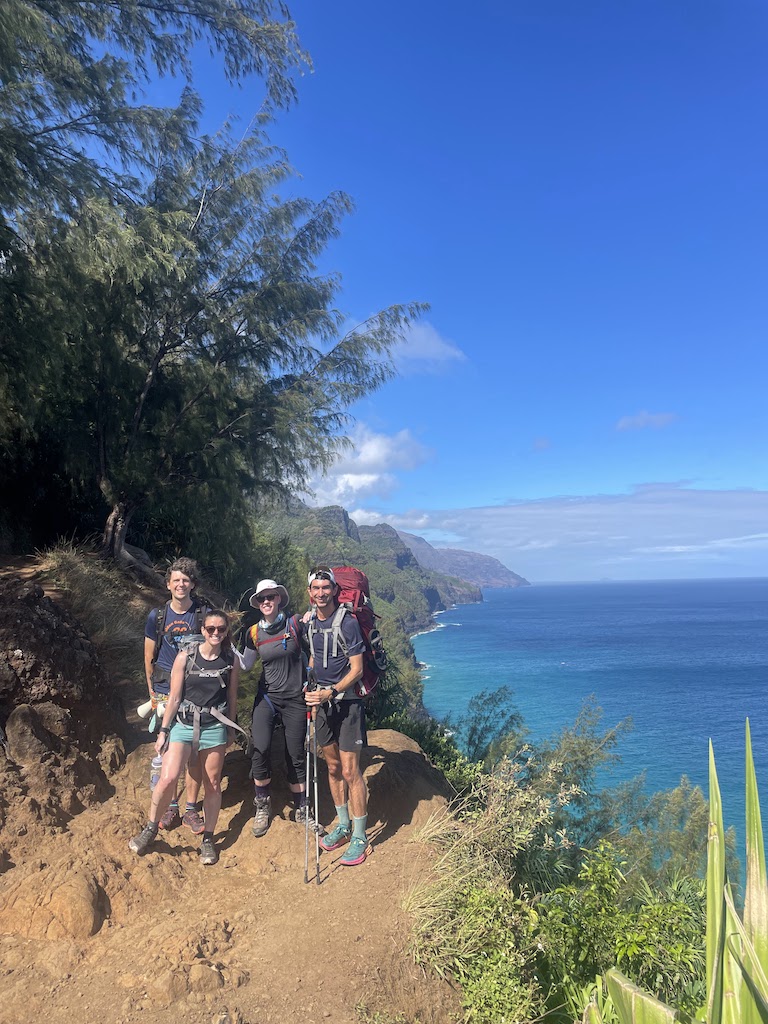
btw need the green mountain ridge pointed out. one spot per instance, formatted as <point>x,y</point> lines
<point>401,588</point>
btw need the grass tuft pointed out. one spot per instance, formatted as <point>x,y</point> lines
<point>98,593</point>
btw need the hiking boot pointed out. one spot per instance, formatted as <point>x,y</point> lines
<point>193,821</point>
<point>142,842</point>
<point>355,853</point>
<point>208,852</point>
<point>170,819</point>
<point>304,815</point>
<point>336,838</point>
<point>261,818</point>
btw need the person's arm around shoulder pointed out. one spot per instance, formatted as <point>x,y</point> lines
<point>250,655</point>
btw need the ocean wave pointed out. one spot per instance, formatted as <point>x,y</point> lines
<point>423,632</point>
<point>432,629</point>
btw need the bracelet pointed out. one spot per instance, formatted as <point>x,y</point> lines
<point>164,728</point>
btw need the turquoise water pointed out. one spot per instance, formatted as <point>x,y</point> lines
<point>686,660</point>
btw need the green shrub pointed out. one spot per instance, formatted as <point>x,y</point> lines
<point>657,936</point>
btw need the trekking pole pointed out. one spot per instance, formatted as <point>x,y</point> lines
<point>317,816</point>
<point>306,808</point>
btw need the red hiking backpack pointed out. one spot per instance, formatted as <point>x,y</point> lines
<point>354,598</point>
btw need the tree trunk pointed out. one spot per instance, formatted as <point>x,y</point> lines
<point>113,544</point>
<point>115,529</point>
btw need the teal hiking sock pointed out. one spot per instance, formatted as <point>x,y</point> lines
<point>343,815</point>
<point>359,827</point>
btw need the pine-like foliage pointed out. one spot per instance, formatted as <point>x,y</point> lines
<point>71,76</point>
<point>191,344</point>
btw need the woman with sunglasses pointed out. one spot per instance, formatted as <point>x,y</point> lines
<point>204,685</point>
<point>276,639</point>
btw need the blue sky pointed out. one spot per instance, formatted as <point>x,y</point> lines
<point>579,191</point>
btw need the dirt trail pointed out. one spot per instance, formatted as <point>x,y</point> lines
<point>89,932</point>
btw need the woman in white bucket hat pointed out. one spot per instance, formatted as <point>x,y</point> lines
<point>276,639</point>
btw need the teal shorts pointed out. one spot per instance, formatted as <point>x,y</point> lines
<point>214,735</point>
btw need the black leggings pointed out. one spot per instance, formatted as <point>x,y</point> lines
<point>267,713</point>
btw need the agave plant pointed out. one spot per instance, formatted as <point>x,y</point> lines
<point>737,945</point>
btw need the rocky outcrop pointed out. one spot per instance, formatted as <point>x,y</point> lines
<point>62,721</point>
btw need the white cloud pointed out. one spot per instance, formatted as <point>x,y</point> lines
<point>425,350</point>
<point>659,530</point>
<point>368,470</point>
<point>645,420</point>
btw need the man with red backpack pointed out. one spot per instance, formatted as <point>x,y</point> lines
<point>337,649</point>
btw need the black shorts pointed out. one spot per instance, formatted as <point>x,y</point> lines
<point>342,722</point>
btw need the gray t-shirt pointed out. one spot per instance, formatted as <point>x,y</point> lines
<point>338,666</point>
<point>282,664</point>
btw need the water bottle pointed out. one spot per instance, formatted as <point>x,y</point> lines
<point>154,771</point>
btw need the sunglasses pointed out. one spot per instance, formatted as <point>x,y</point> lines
<point>216,630</point>
<point>267,597</point>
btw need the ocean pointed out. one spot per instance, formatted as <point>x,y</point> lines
<point>686,660</point>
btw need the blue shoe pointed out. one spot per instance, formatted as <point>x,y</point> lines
<point>355,852</point>
<point>336,838</point>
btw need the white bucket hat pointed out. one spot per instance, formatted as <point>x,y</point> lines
<point>263,585</point>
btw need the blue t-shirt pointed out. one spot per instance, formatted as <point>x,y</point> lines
<point>337,667</point>
<point>176,624</point>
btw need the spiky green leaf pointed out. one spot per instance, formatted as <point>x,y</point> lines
<point>635,1006</point>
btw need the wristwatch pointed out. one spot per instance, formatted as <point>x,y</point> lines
<point>164,728</point>
<point>334,692</point>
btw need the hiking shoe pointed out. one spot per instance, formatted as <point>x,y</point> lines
<point>193,821</point>
<point>355,852</point>
<point>261,818</point>
<point>170,819</point>
<point>208,852</point>
<point>304,814</point>
<point>336,838</point>
<point>142,842</point>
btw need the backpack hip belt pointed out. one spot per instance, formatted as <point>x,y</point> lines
<point>187,708</point>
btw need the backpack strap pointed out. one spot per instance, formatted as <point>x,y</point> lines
<point>160,618</point>
<point>200,610</point>
<point>334,633</point>
<point>338,636</point>
<point>293,629</point>
<point>290,630</point>
<point>186,706</point>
